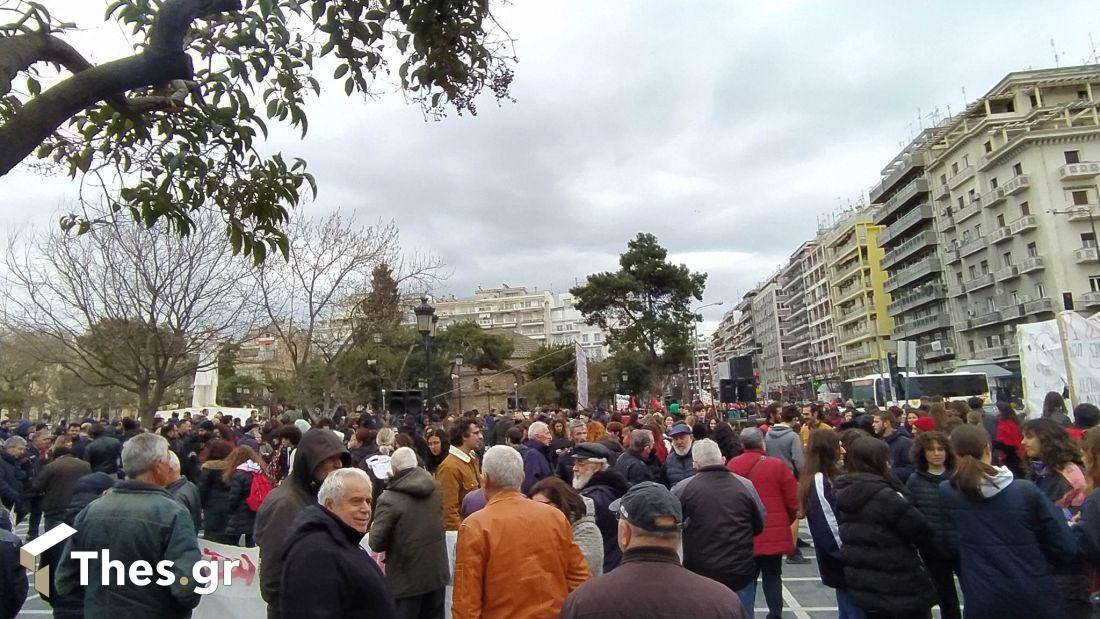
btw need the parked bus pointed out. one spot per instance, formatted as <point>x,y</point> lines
<point>875,388</point>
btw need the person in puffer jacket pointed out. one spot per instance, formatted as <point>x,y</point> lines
<point>934,463</point>
<point>243,465</point>
<point>1012,535</point>
<point>580,511</point>
<point>880,532</point>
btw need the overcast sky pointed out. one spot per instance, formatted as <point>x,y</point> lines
<point>725,128</point>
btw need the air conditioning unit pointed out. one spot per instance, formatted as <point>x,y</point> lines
<point>935,345</point>
<point>948,351</point>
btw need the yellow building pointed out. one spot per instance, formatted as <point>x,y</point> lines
<point>856,279</point>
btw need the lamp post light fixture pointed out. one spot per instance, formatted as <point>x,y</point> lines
<point>457,376</point>
<point>515,387</point>
<point>426,321</point>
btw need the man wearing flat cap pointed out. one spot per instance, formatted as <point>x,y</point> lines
<point>650,521</point>
<point>593,477</point>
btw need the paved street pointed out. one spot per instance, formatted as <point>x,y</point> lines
<point>805,596</point>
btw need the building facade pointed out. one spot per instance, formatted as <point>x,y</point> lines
<point>508,307</point>
<point>795,329</point>
<point>568,326</point>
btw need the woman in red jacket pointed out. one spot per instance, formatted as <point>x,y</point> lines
<point>778,490</point>
<point>1007,445</point>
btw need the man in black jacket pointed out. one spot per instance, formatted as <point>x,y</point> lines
<point>724,514</point>
<point>596,481</point>
<point>103,452</point>
<point>886,427</point>
<point>324,571</point>
<point>632,463</point>
<point>649,522</point>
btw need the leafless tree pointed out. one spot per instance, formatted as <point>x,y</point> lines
<point>311,301</point>
<point>126,306</point>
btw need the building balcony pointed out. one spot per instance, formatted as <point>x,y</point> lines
<point>857,311</point>
<point>915,216</point>
<point>1038,306</point>
<point>984,320</point>
<point>915,187</point>
<point>1007,273</point>
<point>1083,212</point>
<point>936,349</point>
<point>1000,235</point>
<point>1016,184</point>
<point>915,243</point>
<point>921,296</point>
<point>952,255</point>
<point>968,210</point>
<point>1084,255</point>
<point>1024,224</point>
<point>1012,311</point>
<point>993,197</point>
<point>996,352</point>
<point>848,336</point>
<point>924,324</point>
<point>901,167</point>
<point>913,273</point>
<point>979,282</point>
<point>854,291</point>
<point>972,246</point>
<point>961,177</point>
<point>1032,264</point>
<point>1091,299</point>
<point>848,271</point>
<point>1078,171</point>
<point>941,192</point>
<point>946,222</point>
<point>858,354</point>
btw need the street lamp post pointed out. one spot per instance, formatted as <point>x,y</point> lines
<point>458,379</point>
<point>425,324</point>
<point>622,383</point>
<point>515,387</point>
<point>603,381</point>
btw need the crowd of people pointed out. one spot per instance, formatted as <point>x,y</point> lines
<point>573,513</point>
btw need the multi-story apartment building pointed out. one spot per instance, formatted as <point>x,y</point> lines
<point>819,310</point>
<point>859,300</point>
<point>700,367</point>
<point>795,338</point>
<point>514,308</point>
<point>911,243</point>
<point>723,345</point>
<point>568,326</point>
<point>769,310</point>
<point>744,339</point>
<point>1014,180</point>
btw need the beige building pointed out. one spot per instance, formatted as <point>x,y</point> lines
<point>825,365</point>
<point>1014,179</point>
<point>512,308</point>
<point>797,352</point>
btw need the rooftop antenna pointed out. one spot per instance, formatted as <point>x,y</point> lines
<point>1092,59</point>
<point>1054,50</point>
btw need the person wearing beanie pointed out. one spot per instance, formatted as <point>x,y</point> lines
<point>923,424</point>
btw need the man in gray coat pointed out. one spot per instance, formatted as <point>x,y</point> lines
<point>408,527</point>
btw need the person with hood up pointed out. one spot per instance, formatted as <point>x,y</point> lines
<point>325,572</point>
<point>1012,535</point>
<point>319,453</point>
<point>595,479</point>
<point>678,464</point>
<point>879,534</point>
<point>408,527</point>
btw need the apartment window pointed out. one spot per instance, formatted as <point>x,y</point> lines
<point>1034,101</point>
<point>943,179</point>
<point>978,231</point>
<point>1025,209</point>
<point>955,168</point>
<point>971,195</point>
<point>1083,95</point>
<point>973,270</point>
<point>1072,156</point>
<point>1015,296</point>
<point>993,183</point>
<point>584,338</point>
<point>1000,220</point>
<point>1007,258</point>
<point>1094,283</point>
<point>966,237</point>
<point>1017,169</point>
<point>960,203</point>
<point>990,305</point>
<point>988,147</point>
<point>966,159</point>
<point>959,277</point>
<point>1040,292</point>
<point>596,337</point>
<point>984,266</point>
<point>1088,239</point>
<point>970,345</point>
<point>1032,250</point>
<point>1080,196</point>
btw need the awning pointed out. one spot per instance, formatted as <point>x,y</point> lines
<point>991,370</point>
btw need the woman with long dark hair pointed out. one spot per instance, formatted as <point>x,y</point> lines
<point>437,452</point>
<point>879,533</point>
<point>1009,440</point>
<point>1012,533</point>
<point>934,463</point>
<point>214,491</point>
<point>242,467</point>
<point>1054,407</point>
<point>1055,467</point>
<point>815,492</point>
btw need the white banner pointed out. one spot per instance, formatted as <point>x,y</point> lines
<point>1081,337</point>
<point>242,597</point>
<point>582,377</point>
<point>622,402</point>
<point>1042,364</point>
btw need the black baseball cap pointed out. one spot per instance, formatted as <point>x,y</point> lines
<point>645,503</point>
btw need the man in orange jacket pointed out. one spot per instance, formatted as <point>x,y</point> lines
<point>515,557</point>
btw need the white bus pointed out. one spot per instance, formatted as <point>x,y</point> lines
<point>875,388</point>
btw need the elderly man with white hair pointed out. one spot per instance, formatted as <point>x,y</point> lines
<point>408,527</point>
<point>724,514</point>
<point>184,491</point>
<point>536,458</point>
<point>516,557</point>
<point>326,574</point>
<point>137,520</point>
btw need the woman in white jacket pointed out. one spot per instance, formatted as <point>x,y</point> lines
<point>580,512</point>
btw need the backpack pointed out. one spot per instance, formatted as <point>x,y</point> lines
<point>261,487</point>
